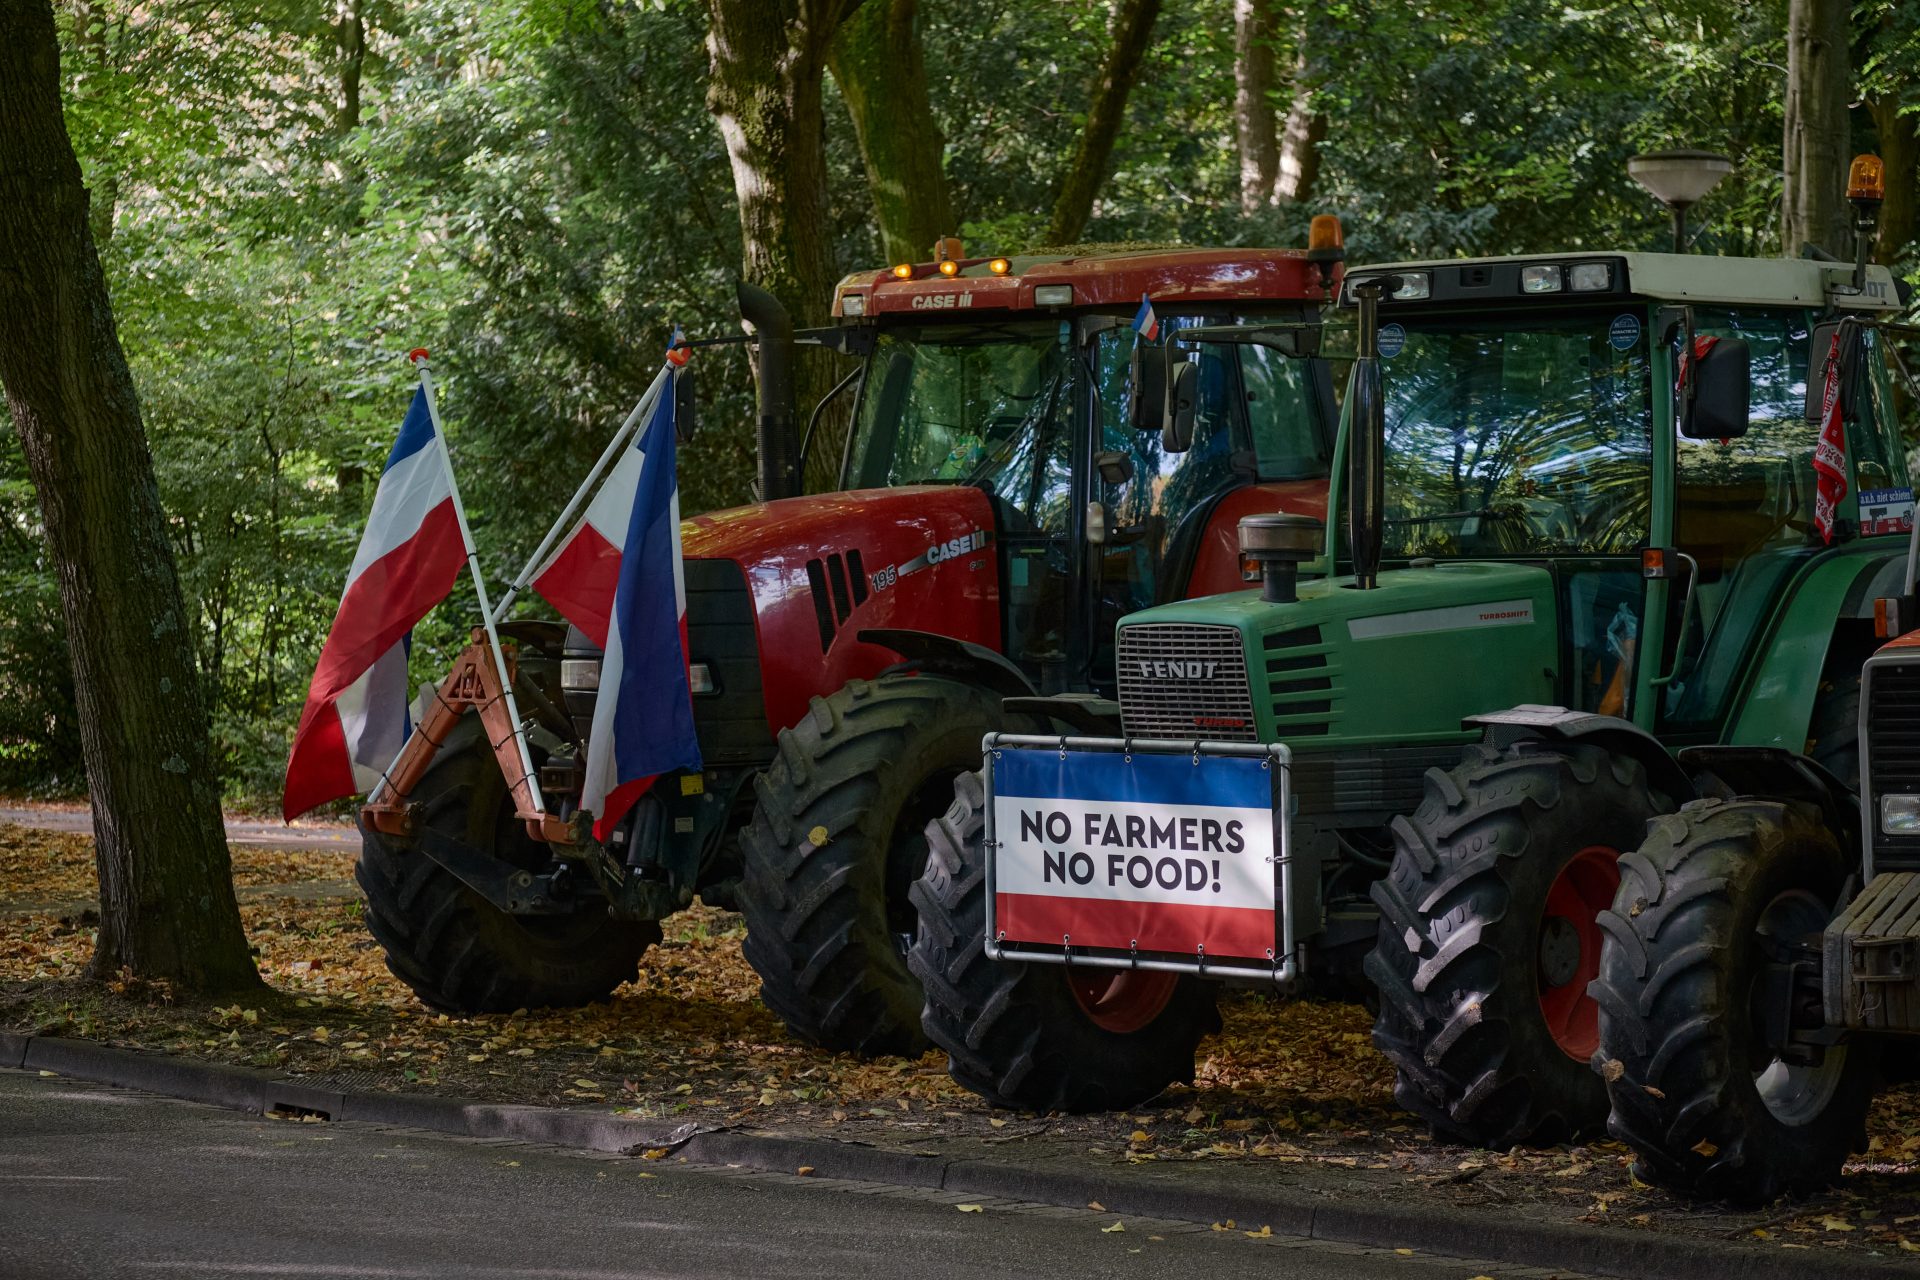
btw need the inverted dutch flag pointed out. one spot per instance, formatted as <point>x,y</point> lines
<point>643,717</point>
<point>355,720</point>
<point>1145,322</point>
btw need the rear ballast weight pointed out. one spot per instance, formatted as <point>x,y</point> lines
<point>1111,853</point>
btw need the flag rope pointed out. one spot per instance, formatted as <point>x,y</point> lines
<point>532,780</point>
<point>565,522</point>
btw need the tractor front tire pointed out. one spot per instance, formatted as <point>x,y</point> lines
<point>1040,1037</point>
<point>1488,939</point>
<point>1707,1106</point>
<point>837,838</point>
<point>459,952</point>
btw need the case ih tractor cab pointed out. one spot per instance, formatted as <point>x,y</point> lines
<point>1591,480</point>
<point>995,518</point>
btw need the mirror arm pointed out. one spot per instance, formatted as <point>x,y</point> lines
<point>1686,625</point>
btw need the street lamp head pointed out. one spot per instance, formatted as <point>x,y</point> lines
<point>1679,178</point>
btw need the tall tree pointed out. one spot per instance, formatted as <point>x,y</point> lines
<point>1106,112</point>
<point>1900,149</point>
<point>166,889</point>
<point>768,57</point>
<point>350,49</point>
<point>1301,134</point>
<point>1253,125</point>
<point>1819,84</point>
<point>877,62</point>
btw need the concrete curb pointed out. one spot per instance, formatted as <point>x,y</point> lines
<point>1617,1251</point>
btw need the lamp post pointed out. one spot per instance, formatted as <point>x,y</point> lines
<point>1679,179</point>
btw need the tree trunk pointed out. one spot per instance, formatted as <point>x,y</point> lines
<point>877,62</point>
<point>1253,102</point>
<point>1132,33</point>
<point>350,42</point>
<point>1813,201</point>
<point>166,891</point>
<point>1299,168</point>
<point>1900,150</point>
<point>767,58</point>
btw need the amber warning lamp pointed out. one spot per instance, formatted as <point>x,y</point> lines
<point>1866,187</point>
<point>1326,246</point>
<point>1867,179</point>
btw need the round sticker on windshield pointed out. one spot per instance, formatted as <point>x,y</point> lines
<point>1393,339</point>
<point>1624,333</point>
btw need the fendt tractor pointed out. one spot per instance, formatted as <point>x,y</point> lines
<point>996,516</point>
<point>1591,481</point>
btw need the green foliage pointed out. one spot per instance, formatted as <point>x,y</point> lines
<point>535,190</point>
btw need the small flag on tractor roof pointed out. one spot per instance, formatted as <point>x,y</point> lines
<point>643,717</point>
<point>1145,322</point>
<point>355,720</point>
<point>1830,454</point>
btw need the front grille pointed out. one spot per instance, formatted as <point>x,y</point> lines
<point>1300,682</point>
<point>1181,681</point>
<point>1370,781</point>
<point>1891,692</point>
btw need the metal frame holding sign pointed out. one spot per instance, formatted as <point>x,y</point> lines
<point>1147,849</point>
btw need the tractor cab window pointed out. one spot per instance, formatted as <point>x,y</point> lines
<point>1530,435</point>
<point>1745,507</point>
<point>1257,418</point>
<point>987,405</point>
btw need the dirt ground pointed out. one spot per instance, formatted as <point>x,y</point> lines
<point>1290,1092</point>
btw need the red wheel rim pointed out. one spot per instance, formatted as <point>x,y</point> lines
<point>1568,955</point>
<point>1121,1000</point>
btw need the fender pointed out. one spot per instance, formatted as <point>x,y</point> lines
<point>1776,774</point>
<point>956,659</point>
<point>1534,722</point>
<point>1777,704</point>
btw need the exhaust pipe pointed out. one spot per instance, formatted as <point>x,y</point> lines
<point>1367,447</point>
<point>777,450</point>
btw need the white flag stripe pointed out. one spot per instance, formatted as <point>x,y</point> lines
<point>414,486</point>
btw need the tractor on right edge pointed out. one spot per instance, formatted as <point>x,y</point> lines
<point>1761,951</point>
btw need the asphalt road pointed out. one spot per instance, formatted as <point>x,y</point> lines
<point>102,1182</point>
<point>271,835</point>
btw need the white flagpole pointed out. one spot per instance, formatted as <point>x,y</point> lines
<point>565,522</point>
<point>419,358</point>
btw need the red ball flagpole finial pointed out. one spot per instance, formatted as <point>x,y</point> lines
<point>417,355</point>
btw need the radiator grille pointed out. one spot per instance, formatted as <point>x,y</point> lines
<point>1181,681</point>
<point>1299,682</point>
<point>1892,697</point>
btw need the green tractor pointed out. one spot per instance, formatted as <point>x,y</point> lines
<point>1591,481</point>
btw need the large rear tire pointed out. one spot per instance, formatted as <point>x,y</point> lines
<point>1039,1037</point>
<point>1707,1106</point>
<point>1488,939</point>
<point>837,838</point>
<point>458,951</point>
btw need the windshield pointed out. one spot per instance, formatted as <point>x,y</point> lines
<point>1529,435</point>
<point>948,404</point>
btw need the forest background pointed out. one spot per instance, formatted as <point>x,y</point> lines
<point>289,194</point>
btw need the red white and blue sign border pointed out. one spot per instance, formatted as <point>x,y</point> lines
<point>1280,966</point>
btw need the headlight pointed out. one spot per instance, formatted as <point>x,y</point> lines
<point>1053,295</point>
<point>1414,285</point>
<point>1540,279</point>
<point>1589,277</point>
<point>1900,815</point>
<point>853,304</point>
<point>580,673</point>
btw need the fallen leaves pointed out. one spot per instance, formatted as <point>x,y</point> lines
<point>971,1208</point>
<point>1118,1225</point>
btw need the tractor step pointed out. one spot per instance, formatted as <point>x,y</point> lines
<point>1872,957</point>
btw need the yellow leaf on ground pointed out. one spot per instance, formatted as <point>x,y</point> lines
<point>1262,1233</point>
<point>998,1122</point>
<point>1117,1226</point>
<point>585,1084</point>
<point>970,1208</point>
<point>1909,1245</point>
<point>1140,1135</point>
<point>654,1153</point>
<point>1832,1223</point>
<point>1096,1206</point>
<point>804,1170</point>
<point>1612,1070</point>
<point>1705,1148</point>
<point>817,837</point>
<point>1405,1253</point>
<point>1763,1233</point>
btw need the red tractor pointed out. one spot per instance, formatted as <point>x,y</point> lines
<point>998,511</point>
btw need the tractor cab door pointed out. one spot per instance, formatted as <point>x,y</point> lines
<point>1744,508</point>
<point>1260,416</point>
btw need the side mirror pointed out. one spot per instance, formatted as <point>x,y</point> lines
<point>685,405</point>
<point>1819,344</point>
<point>1149,372</point>
<point>1176,432</point>
<point>1722,381</point>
